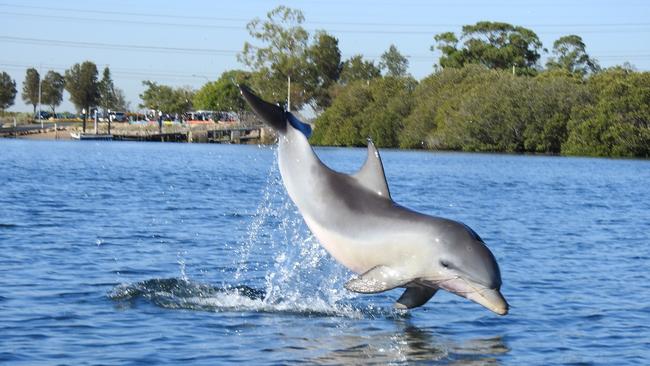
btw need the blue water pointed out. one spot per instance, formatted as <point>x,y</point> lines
<point>150,253</point>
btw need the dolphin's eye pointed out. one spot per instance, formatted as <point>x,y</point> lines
<point>445,264</point>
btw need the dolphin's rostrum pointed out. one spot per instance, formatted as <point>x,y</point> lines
<point>390,246</point>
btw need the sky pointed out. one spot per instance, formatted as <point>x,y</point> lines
<point>187,43</point>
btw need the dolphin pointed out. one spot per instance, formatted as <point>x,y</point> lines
<point>389,246</point>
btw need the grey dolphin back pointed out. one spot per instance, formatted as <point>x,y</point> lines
<point>272,114</point>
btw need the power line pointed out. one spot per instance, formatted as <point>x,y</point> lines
<point>114,46</point>
<point>227,19</point>
<point>430,31</point>
<point>118,73</point>
<point>121,21</point>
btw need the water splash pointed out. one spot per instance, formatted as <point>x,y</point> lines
<point>301,278</point>
<point>180,259</point>
<point>262,215</point>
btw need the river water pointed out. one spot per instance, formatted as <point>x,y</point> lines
<point>151,253</point>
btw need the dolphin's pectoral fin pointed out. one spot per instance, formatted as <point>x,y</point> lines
<point>371,175</point>
<point>414,297</point>
<point>377,279</point>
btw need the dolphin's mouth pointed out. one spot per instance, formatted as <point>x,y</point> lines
<point>487,297</point>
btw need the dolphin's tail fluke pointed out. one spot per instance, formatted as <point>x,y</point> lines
<point>271,114</point>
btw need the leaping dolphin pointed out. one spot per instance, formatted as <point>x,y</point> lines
<point>390,246</point>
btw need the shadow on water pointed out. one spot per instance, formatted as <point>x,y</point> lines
<point>181,293</point>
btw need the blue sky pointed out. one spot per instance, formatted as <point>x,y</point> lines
<point>162,40</point>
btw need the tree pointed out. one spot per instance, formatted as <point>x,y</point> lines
<point>495,45</point>
<point>394,63</point>
<point>571,56</point>
<point>81,82</point>
<point>222,94</point>
<point>356,68</point>
<point>31,87</point>
<point>157,97</point>
<point>374,109</point>
<point>616,122</point>
<point>166,99</point>
<point>324,65</point>
<point>448,45</point>
<point>434,101</point>
<point>183,97</point>
<point>107,95</point>
<point>52,89</point>
<point>7,91</point>
<point>283,56</point>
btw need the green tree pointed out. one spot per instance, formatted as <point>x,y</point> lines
<point>356,68</point>
<point>374,109</point>
<point>31,87</point>
<point>157,97</point>
<point>283,54</point>
<point>435,99</point>
<point>166,99</point>
<point>571,55</point>
<point>107,95</point>
<point>341,124</point>
<point>394,63</point>
<point>222,94</point>
<point>7,91</point>
<point>551,102</point>
<point>81,82</point>
<point>617,120</point>
<point>447,43</point>
<point>489,116</point>
<point>495,45</point>
<point>324,66</point>
<point>52,89</point>
<point>183,97</point>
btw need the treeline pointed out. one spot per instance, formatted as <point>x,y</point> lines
<point>472,108</point>
<point>488,92</point>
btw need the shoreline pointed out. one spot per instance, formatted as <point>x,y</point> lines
<point>59,134</point>
<point>63,134</point>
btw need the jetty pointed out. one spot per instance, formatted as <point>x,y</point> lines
<point>214,133</point>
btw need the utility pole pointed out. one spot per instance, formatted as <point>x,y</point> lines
<point>289,93</point>
<point>40,81</point>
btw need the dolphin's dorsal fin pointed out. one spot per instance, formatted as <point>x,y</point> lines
<point>371,175</point>
<point>377,279</point>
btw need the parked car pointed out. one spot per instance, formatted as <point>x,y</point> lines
<point>44,115</point>
<point>118,117</point>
